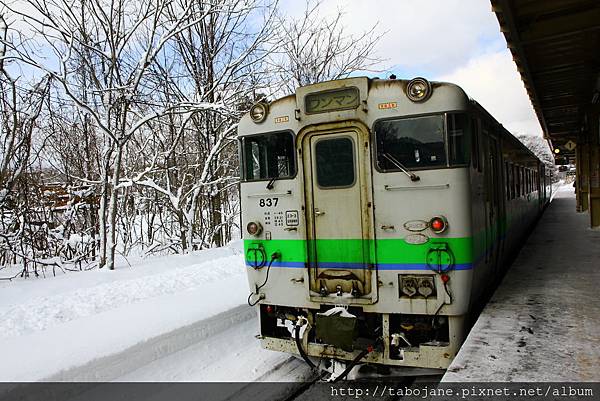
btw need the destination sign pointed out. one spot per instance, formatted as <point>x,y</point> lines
<point>339,99</point>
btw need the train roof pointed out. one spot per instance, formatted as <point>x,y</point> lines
<point>453,94</point>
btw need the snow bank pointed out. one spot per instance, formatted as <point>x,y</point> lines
<point>54,324</point>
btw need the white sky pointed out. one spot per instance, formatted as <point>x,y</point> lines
<point>449,40</point>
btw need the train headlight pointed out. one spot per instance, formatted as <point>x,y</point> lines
<point>438,224</point>
<point>254,228</point>
<point>418,89</point>
<point>258,112</point>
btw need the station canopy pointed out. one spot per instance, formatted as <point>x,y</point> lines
<point>556,47</point>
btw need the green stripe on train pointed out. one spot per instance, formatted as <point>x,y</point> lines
<point>351,250</point>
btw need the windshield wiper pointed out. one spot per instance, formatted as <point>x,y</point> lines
<point>271,183</point>
<point>395,162</point>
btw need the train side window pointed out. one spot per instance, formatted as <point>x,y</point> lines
<point>268,156</point>
<point>518,183</point>
<point>514,182</point>
<point>416,142</point>
<point>458,138</point>
<point>521,182</point>
<point>475,143</point>
<point>335,162</point>
<point>507,179</point>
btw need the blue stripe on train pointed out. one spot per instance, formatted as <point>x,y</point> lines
<point>380,266</point>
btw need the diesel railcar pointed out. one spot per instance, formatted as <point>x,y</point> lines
<point>375,214</point>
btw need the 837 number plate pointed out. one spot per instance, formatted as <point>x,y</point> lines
<point>268,202</point>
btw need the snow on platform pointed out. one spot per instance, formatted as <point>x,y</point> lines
<point>543,322</point>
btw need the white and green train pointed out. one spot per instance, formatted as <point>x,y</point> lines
<point>375,214</point>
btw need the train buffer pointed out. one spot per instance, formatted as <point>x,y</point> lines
<point>543,321</point>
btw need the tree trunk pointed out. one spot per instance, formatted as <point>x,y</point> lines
<point>111,240</point>
<point>102,214</point>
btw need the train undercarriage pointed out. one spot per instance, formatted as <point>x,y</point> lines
<point>347,335</point>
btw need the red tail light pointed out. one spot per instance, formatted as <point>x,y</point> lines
<point>438,224</point>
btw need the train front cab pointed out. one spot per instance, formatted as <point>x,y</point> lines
<point>355,223</point>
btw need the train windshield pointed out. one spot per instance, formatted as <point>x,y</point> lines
<point>420,142</point>
<point>268,156</point>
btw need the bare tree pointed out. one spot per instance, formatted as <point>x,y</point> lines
<point>118,41</point>
<point>314,48</point>
<point>540,148</point>
<point>135,114</point>
<point>193,163</point>
<point>21,106</point>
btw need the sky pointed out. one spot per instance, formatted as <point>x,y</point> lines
<point>456,41</point>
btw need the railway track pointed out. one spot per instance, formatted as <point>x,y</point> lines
<point>382,388</point>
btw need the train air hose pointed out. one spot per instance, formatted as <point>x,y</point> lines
<point>360,356</point>
<point>299,345</point>
<point>274,257</point>
<point>304,356</point>
<point>352,364</point>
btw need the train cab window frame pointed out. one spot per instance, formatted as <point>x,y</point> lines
<point>394,159</point>
<point>388,160</point>
<point>265,162</point>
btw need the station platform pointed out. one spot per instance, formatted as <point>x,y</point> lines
<point>543,321</point>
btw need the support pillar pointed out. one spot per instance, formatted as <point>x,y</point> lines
<point>594,191</point>
<point>578,174</point>
<point>594,167</point>
<point>583,176</point>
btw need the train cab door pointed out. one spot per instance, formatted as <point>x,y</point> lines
<point>337,179</point>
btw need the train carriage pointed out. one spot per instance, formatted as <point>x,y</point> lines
<point>375,214</point>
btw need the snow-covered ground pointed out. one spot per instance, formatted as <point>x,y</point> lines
<point>169,318</point>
